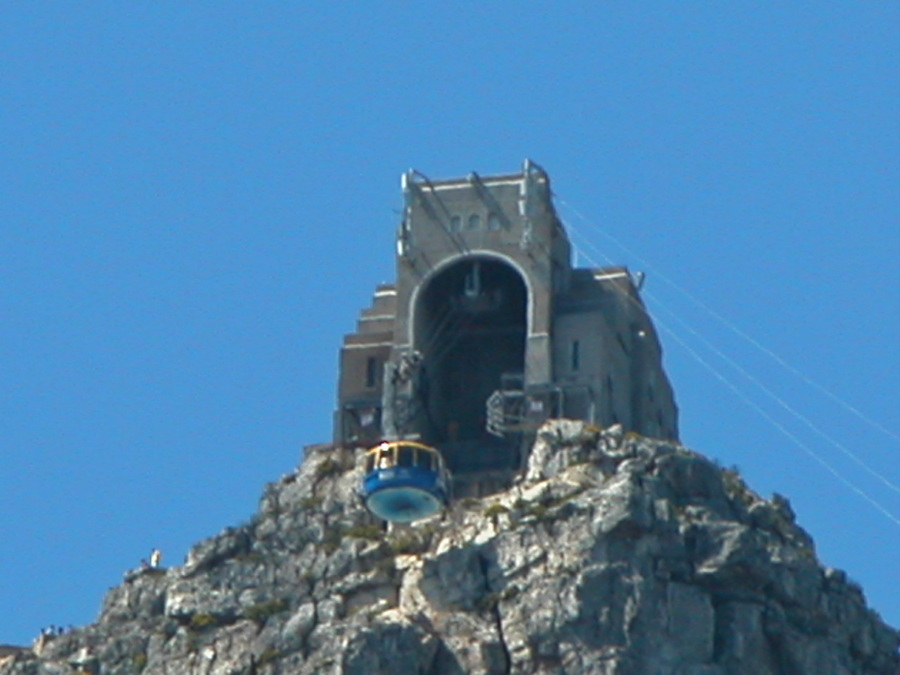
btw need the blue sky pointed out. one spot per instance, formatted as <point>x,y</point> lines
<point>197,199</point>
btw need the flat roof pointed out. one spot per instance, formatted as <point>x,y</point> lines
<point>529,168</point>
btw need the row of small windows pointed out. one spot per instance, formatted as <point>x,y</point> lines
<point>390,456</point>
<point>473,223</point>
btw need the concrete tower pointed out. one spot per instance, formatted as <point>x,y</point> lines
<point>489,330</point>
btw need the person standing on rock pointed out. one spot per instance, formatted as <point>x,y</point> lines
<point>155,558</point>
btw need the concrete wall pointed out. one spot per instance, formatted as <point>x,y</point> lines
<point>619,378</point>
<point>363,358</point>
<point>511,219</point>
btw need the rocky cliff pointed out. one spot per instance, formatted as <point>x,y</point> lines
<point>614,554</point>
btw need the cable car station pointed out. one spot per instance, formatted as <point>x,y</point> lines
<point>487,332</point>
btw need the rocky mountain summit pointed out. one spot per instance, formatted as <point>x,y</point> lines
<point>613,554</point>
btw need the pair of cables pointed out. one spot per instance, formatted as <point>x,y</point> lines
<point>584,242</point>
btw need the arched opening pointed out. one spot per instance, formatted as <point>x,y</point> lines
<point>471,329</point>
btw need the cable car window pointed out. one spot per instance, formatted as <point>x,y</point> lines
<point>385,459</point>
<point>425,460</point>
<point>405,456</point>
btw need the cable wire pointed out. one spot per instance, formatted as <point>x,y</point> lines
<point>734,328</point>
<point>834,472</point>
<point>784,404</point>
<point>760,410</point>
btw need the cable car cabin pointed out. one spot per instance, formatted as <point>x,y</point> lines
<point>404,481</point>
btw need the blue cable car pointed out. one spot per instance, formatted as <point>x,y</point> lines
<point>404,481</point>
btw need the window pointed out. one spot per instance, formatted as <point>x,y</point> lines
<point>474,222</point>
<point>405,456</point>
<point>576,355</point>
<point>456,223</point>
<point>373,369</point>
<point>425,460</point>
<point>493,222</point>
<point>385,458</point>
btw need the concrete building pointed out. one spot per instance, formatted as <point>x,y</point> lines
<point>488,331</point>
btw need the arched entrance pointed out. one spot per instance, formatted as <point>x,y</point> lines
<point>471,329</point>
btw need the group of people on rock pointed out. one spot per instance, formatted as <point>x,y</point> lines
<point>53,630</point>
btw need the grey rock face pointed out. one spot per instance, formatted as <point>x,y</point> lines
<point>614,555</point>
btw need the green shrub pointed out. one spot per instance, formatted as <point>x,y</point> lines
<point>328,467</point>
<point>139,661</point>
<point>369,532</point>
<point>411,543</point>
<point>735,487</point>
<point>251,557</point>
<point>494,510</point>
<point>539,511</point>
<point>547,508</point>
<point>332,538</point>
<point>806,553</point>
<point>202,620</point>
<point>262,611</point>
<point>313,502</point>
<point>271,654</point>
